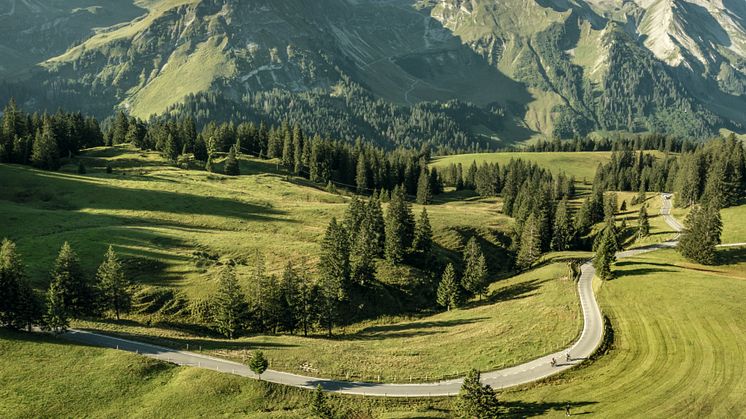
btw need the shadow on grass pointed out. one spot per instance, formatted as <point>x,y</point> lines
<point>511,292</point>
<point>731,255</point>
<point>409,329</point>
<point>520,409</point>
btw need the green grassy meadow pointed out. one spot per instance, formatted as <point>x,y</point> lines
<point>507,328</point>
<point>50,377</point>
<point>678,349</point>
<point>162,218</point>
<point>582,165</point>
<point>734,224</point>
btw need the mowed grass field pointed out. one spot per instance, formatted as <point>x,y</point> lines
<point>679,344</point>
<point>50,377</point>
<point>524,317</point>
<point>582,165</point>
<point>734,224</point>
<point>163,218</point>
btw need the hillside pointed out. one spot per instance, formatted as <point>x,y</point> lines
<point>350,69</point>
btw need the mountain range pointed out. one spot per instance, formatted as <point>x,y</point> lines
<point>481,71</point>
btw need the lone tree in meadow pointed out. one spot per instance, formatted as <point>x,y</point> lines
<point>643,222</point>
<point>476,400</point>
<point>231,307</point>
<point>475,279</point>
<point>449,291</point>
<point>231,167</point>
<point>699,240</point>
<point>319,406</point>
<point>258,363</point>
<point>114,288</point>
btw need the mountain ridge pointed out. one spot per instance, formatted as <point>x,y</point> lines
<point>547,64</point>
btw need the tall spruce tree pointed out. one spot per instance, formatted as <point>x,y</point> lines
<point>475,278</point>
<point>334,274</point>
<point>231,308</point>
<point>423,236</point>
<point>45,153</point>
<point>362,255</point>
<point>231,167</point>
<point>375,223</point>
<point>605,253</point>
<point>290,298</point>
<point>319,406</point>
<point>11,277</point>
<point>643,222</point>
<point>399,227</point>
<point>77,292</point>
<point>701,236</point>
<point>476,401</point>
<point>530,243</point>
<point>424,190</point>
<point>562,231</point>
<point>361,175</point>
<point>56,318</point>
<point>449,291</point>
<point>114,288</point>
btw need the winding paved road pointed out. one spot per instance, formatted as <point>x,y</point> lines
<point>530,371</point>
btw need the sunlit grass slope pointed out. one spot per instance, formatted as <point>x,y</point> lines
<point>679,344</point>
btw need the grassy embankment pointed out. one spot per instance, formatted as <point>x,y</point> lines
<point>679,344</point>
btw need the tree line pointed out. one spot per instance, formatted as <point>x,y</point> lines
<point>42,140</point>
<point>71,294</point>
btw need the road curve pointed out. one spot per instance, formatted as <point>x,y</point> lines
<point>534,370</point>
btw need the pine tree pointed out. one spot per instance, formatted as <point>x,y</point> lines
<point>530,244</point>
<point>643,222</point>
<point>334,273</point>
<point>232,167</point>
<point>423,236</point>
<point>475,278</point>
<point>290,298</point>
<point>56,317</point>
<point>171,148</point>
<point>424,191</point>
<point>562,229</point>
<point>231,309</point>
<point>319,406</point>
<point>399,227</point>
<point>258,363</point>
<point>449,291</point>
<point>30,310</point>
<point>361,175</point>
<point>77,293</point>
<point>307,305</point>
<point>11,276</point>
<point>362,255</point>
<point>476,401</point>
<point>699,240</point>
<point>605,253</point>
<point>119,128</point>
<point>374,222</point>
<point>114,288</point>
<point>45,153</point>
